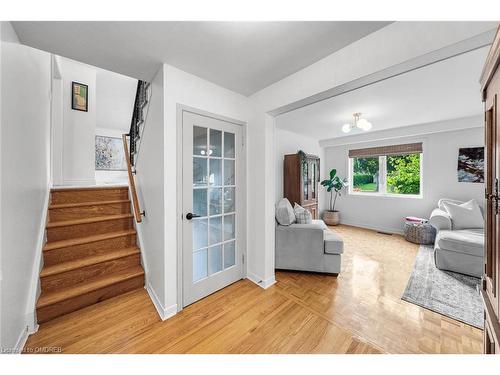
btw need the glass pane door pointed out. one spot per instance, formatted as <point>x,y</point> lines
<point>211,244</point>
<point>313,180</point>
<point>305,177</point>
<point>214,201</point>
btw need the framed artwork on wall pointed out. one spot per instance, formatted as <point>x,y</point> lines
<point>471,164</point>
<point>109,154</point>
<point>79,96</point>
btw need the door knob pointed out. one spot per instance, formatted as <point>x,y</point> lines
<point>190,215</point>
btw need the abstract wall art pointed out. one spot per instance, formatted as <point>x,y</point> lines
<point>109,154</point>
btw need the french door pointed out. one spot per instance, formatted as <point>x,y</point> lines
<point>212,253</point>
<point>492,203</point>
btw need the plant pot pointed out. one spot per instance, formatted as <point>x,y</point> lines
<point>331,217</point>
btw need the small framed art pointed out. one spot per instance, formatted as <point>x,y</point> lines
<point>79,97</point>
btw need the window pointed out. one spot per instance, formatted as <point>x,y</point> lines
<point>365,176</point>
<point>391,171</point>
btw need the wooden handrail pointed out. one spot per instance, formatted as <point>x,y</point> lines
<point>137,211</point>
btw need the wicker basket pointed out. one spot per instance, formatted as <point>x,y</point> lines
<point>423,234</point>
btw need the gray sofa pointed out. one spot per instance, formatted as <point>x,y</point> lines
<point>459,251</point>
<point>308,247</point>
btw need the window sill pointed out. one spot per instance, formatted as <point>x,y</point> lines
<point>385,195</point>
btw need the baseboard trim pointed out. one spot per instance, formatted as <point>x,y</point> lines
<point>31,322</point>
<point>35,290</point>
<point>170,311</point>
<point>34,329</point>
<point>163,312</point>
<point>21,341</point>
<point>76,183</point>
<point>264,284</point>
<point>23,337</point>
<point>373,227</point>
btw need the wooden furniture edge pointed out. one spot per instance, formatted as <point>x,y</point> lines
<point>489,308</point>
<point>492,62</point>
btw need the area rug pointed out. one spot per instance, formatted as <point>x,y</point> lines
<point>447,293</point>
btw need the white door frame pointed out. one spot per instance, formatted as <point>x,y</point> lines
<point>181,108</point>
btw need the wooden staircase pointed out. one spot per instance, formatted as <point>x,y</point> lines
<point>91,252</point>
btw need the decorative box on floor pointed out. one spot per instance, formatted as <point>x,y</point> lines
<point>419,231</point>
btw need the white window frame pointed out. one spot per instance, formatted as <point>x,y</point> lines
<point>383,181</point>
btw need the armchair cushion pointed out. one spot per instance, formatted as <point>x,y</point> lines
<point>465,241</point>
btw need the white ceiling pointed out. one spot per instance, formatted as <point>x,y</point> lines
<point>241,56</point>
<point>445,90</point>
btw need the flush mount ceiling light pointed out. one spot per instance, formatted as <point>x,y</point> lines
<point>359,123</point>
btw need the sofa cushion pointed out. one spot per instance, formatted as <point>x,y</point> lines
<point>466,215</point>
<point>284,212</point>
<point>333,243</point>
<point>302,216</point>
<point>466,241</point>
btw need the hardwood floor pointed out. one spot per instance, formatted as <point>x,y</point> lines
<point>366,298</point>
<point>360,311</point>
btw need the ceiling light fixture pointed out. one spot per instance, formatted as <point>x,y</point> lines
<point>359,123</point>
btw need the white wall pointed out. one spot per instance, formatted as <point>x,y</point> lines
<point>115,96</point>
<point>150,190</point>
<point>25,173</point>
<point>78,152</point>
<point>439,178</point>
<point>57,123</point>
<point>289,143</point>
<point>158,174</point>
<point>111,100</point>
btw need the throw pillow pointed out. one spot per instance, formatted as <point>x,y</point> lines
<point>284,212</point>
<point>302,215</point>
<point>448,200</point>
<point>465,216</point>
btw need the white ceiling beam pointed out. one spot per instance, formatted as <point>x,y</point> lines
<point>406,131</point>
<point>453,50</point>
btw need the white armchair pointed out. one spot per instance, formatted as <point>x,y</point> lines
<point>460,250</point>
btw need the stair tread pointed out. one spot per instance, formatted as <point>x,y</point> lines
<point>82,240</point>
<point>50,298</point>
<point>88,261</point>
<point>95,219</point>
<point>89,188</point>
<point>83,204</point>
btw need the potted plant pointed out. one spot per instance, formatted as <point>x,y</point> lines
<point>333,184</point>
